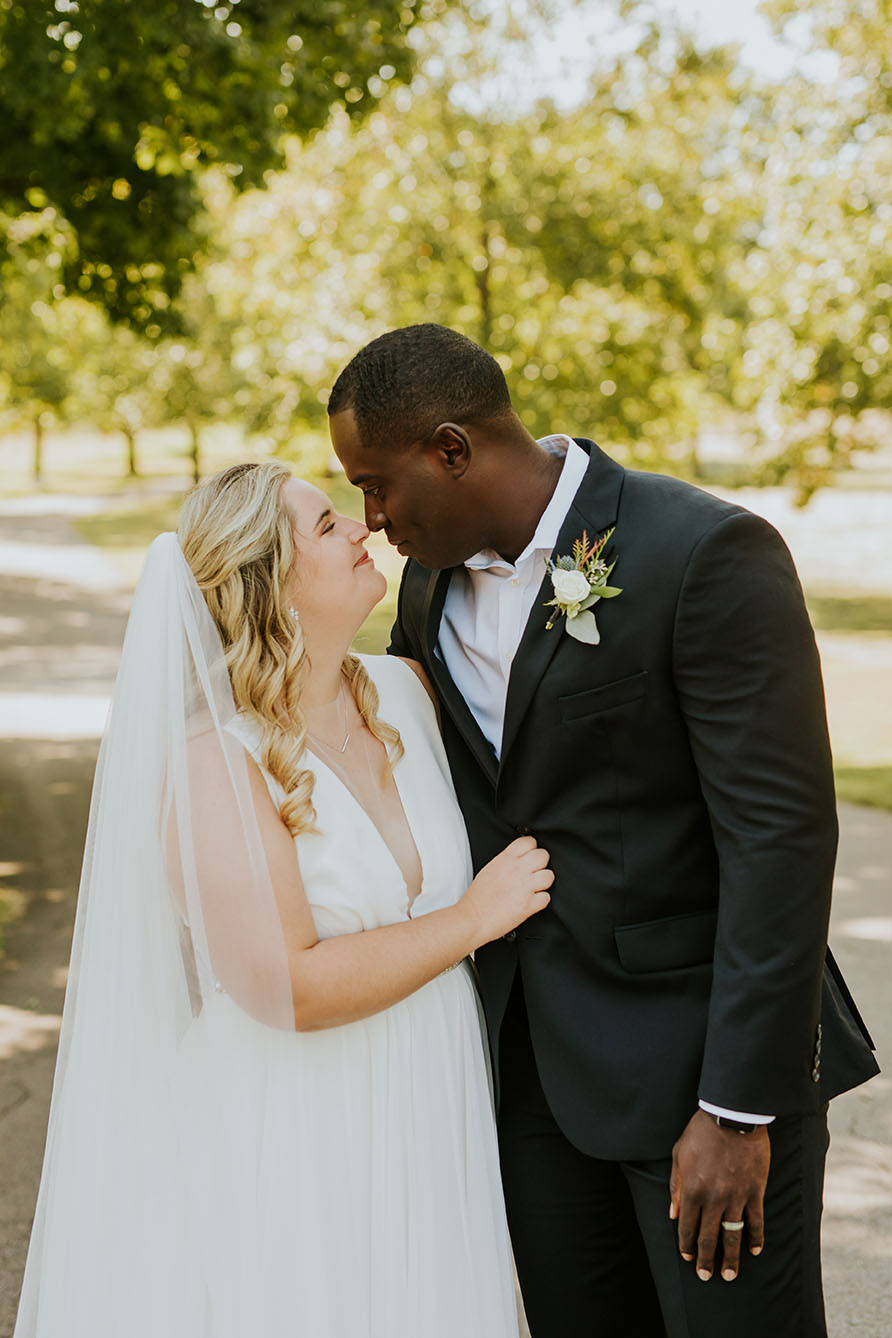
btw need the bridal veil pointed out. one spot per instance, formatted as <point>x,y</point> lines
<point>155,944</point>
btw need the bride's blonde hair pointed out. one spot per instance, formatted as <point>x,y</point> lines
<point>237,537</point>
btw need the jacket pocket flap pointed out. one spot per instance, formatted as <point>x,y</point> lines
<point>617,693</point>
<point>667,945</point>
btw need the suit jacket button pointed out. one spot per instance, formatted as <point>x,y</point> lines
<point>510,936</point>
<point>522,829</point>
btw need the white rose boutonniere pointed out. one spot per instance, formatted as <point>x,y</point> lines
<point>579,582</point>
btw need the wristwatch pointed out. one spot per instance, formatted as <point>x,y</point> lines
<point>738,1126</point>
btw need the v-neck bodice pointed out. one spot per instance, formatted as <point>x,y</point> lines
<point>351,876</point>
<point>389,819</point>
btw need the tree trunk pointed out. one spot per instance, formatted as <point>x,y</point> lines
<point>38,448</point>
<point>194,451</point>
<point>481,277</point>
<point>132,471</point>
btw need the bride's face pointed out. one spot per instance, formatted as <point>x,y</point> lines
<point>334,581</point>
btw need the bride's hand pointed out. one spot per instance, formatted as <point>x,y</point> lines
<point>509,889</point>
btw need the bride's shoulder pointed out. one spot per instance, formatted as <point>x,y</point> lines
<point>248,731</point>
<point>406,678</point>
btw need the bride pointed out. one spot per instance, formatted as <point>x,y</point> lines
<point>271,1113</point>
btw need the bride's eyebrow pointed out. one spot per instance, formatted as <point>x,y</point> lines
<point>325,513</point>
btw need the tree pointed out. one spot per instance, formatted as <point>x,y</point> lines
<point>111,110</point>
<point>113,385</point>
<point>590,251</point>
<point>817,369</point>
<point>194,380</point>
<point>38,335</point>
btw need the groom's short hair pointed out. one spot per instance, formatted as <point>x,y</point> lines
<point>405,383</point>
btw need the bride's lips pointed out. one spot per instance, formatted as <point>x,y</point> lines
<point>361,561</point>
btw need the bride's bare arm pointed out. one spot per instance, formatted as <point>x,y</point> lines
<point>340,979</point>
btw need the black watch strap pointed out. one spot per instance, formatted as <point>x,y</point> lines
<point>739,1126</point>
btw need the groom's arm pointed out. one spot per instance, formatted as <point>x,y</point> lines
<point>749,684</point>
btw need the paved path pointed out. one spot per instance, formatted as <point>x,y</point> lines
<point>61,623</point>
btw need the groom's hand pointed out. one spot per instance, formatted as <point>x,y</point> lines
<point>718,1175</point>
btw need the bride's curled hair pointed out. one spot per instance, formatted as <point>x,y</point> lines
<point>237,538</point>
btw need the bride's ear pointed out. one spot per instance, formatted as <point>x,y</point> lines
<point>452,447</point>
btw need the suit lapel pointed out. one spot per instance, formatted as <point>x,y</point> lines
<point>594,510</point>
<point>432,612</point>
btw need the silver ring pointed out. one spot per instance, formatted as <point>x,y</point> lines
<point>732,1226</point>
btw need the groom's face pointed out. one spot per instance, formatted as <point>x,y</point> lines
<point>411,493</point>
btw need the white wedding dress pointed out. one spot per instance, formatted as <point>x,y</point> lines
<point>209,1171</point>
<point>359,1195</point>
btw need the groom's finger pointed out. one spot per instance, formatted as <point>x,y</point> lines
<point>688,1223</point>
<point>707,1242</point>
<point>674,1190</point>
<point>731,1238</point>
<point>755,1226</point>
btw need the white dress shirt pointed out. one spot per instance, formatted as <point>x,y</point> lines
<point>489,602</point>
<point>487,607</point>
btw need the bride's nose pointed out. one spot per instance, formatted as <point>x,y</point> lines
<point>360,534</point>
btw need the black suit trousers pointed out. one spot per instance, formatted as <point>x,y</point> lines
<point>597,1254</point>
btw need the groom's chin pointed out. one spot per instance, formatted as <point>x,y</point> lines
<point>428,558</point>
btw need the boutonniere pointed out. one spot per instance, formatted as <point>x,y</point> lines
<point>579,582</point>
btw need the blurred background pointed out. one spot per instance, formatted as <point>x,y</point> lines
<point>669,220</point>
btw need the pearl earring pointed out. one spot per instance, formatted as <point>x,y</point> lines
<point>294,613</point>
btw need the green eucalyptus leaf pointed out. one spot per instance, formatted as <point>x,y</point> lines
<point>584,628</point>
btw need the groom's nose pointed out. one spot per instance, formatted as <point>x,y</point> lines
<point>374,516</point>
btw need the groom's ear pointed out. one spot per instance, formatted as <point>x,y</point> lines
<point>452,445</point>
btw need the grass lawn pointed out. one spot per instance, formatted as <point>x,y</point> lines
<point>871,786</point>
<point>855,613</point>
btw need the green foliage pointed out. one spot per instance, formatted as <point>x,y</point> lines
<point>689,244</point>
<point>111,109</point>
<point>817,369</point>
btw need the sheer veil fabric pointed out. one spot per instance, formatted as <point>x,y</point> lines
<point>152,950</point>
<point>211,1172</point>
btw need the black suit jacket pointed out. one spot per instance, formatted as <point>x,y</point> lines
<point>679,774</point>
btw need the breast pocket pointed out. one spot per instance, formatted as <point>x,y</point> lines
<point>622,691</point>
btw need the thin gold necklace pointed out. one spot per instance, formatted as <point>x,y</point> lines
<point>335,748</point>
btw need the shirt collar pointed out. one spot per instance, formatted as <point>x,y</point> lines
<point>546,533</point>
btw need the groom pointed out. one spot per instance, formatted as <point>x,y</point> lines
<point>667,1034</point>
